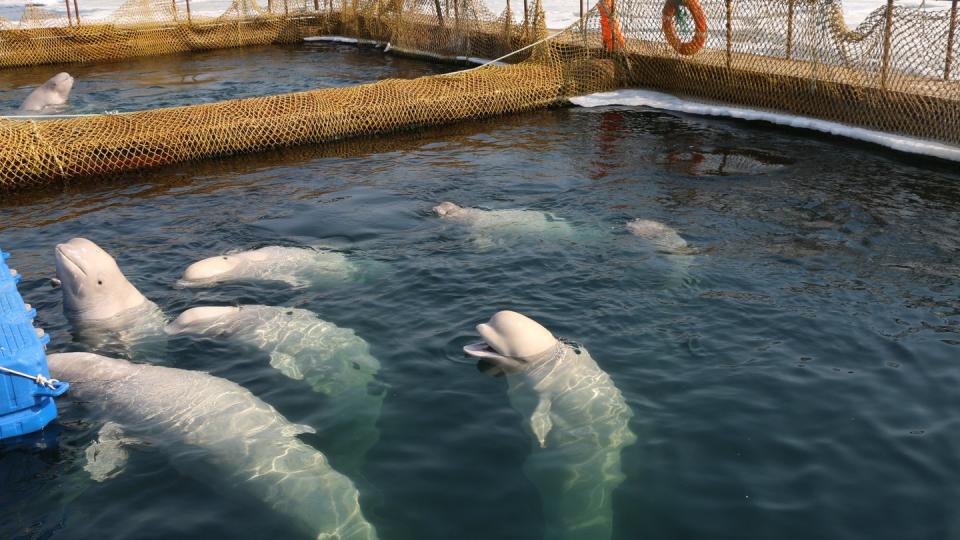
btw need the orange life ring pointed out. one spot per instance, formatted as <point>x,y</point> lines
<point>612,36</point>
<point>686,48</point>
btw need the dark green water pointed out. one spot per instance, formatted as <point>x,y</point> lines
<point>798,380</point>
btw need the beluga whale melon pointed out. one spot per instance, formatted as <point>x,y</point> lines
<point>333,360</point>
<point>578,418</point>
<point>220,433</point>
<point>298,267</point>
<point>106,310</point>
<point>492,227</point>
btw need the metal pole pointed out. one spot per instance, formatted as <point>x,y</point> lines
<point>286,10</point>
<point>887,32</point>
<point>189,18</point>
<point>526,19</point>
<point>790,29</point>
<point>76,12</point>
<point>730,29</point>
<point>953,29</point>
<point>69,15</point>
<point>269,6</point>
<point>173,4</point>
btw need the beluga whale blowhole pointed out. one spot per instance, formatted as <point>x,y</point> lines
<point>298,267</point>
<point>578,418</point>
<point>105,309</point>
<point>49,95</point>
<point>217,431</point>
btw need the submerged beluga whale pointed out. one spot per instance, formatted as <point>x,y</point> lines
<point>490,227</point>
<point>298,267</point>
<point>667,242</point>
<point>333,360</point>
<point>219,432</point>
<point>105,309</point>
<point>578,417</point>
<point>48,95</point>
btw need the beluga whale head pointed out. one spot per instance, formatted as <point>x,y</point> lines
<point>212,268</point>
<point>512,340</point>
<point>54,92</point>
<point>446,208</point>
<point>93,285</point>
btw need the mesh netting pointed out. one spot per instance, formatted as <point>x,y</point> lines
<point>892,73</point>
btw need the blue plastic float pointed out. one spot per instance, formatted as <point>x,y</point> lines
<point>26,389</point>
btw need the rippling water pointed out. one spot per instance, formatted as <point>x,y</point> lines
<point>797,378</point>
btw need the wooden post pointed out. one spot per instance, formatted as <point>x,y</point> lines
<point>316,5</point>
<point>173,4</point>
<point>953,30</point>
<point>581,16</point>
<point>730,29</point>
<point>887,33</point>
<point>790,29</point>
<point>269,6</point>
<point>189,18</point>
<point>69,15</point>
<point>439,8</point>
<point>76,12</point>
<point>526,19</point>
<point>286,8</point>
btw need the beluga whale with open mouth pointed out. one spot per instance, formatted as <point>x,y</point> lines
<point>217,431</point>
<point>298,267</point>
<point>578,417</point>
<point>106,310</point>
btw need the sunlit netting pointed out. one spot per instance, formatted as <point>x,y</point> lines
<point>892,73</point>
<point>149,27</point>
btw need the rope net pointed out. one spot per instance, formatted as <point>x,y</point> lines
<point>892,73</point>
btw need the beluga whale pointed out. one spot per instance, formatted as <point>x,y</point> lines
<point>578,418</point>
<point>493,227</point>
<point>105,309</point>
<point>666,241</point>
<point>49,95</point>
<point>219,432</point>
<point>298,267</point>
<point>334,361</point>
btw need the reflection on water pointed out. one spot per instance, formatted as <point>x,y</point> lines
<point>800,384</point>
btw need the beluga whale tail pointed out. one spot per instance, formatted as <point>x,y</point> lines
<point>107,312</point>
<point>578,418</point>
<point>219,432</point>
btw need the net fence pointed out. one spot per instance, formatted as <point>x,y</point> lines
<point>892,73</point>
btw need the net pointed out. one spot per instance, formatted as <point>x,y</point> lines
<point>892,73</point>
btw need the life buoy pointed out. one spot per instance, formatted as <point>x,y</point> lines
<point>686,48</point>
<point>612,36</point>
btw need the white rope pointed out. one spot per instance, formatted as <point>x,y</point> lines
<point>508,55</point>
<point>39,378</point>
<point>55,116</point>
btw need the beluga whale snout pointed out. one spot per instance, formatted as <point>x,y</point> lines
<point>578,418</point>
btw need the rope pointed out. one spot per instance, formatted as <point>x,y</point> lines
<point>508,55</point>
<point>39,378</point>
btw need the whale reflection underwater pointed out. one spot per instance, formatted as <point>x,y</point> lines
<point>578,417</point>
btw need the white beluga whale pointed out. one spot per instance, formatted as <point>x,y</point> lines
<point>662,237</point>
<point>298,267</point>
<point>218,432</point>
<point>578,417</point>
<point>49,95</point>
<point>106,310</point>
<point>490,227</point>
<point>333,360</point>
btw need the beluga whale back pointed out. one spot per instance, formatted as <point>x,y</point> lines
<point>106,310</point>
<point>333,360</point>
<point>491,227</point>
<point>298,267</point>
<point>578,418</point>
<point>219,432</point>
